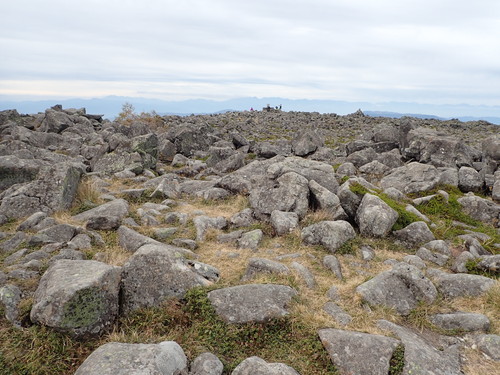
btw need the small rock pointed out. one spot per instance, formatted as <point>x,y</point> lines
<point>336,312</point>
<point>306,275</point>
<point>332,263</point>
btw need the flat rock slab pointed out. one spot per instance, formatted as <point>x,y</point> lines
<point>116,208</point>
<point>165,358</point>
<point>252,303</point>
<point>462,285</point>
<point>358,353</point>
<point>421,358</point>
<point>257,366</point>
<point>401,288</point>
<point>462,321</point>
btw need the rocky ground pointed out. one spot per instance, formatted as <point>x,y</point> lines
<point>247,243</point>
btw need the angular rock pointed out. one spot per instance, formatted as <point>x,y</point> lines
<point>250,240</point>
<point>401,288</point>
<point>154,274</point>
<point>252,303</point>
<point>290,195</point>
<point>430,256</point>
<point>165,358</point>
<point>489,345</point>
<point>469,180</point>
<point>257,366</point>
<point>358,353</point>
<point>242,219</point>
<point>332,263</point>
<point>203,223</point>
<point>337,313</point>
<point>412,178</point>
<point>324,199</point>
<point>374,217</point>
<point>461,321</point>
<point>284,222</point>
<point>414,234</point>
<point>77,296</point>
<point>479,208</point>
<point>330,234</point>
<point>422,358</point>
<point>416,261</point>
<point>460,263</point>
<point>306,275</point>
<point>10,296</point>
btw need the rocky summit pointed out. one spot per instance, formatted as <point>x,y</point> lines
<point>262,242</point>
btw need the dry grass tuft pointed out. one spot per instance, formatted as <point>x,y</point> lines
<point>475,363</point>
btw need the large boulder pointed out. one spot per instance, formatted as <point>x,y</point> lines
<point>374,217</point>
<point>324,199</point>
<point>14,170</point>
<point>414,234</point>
<point>357,352</point>
<point>114,358</point>
<point>469,179</point>
<point>290,194</point>
<point>77,296</point>
<point>412,178</point>
<point>153,274</point>
<point>401,288</point>
<point>331,234</point>
<point>480,208</point>
<point>430,147</point>
<point>284,222</point>
<point>461,285</point>
<point>423,358</point>
<point>117,208</point>
<point>53,191</point>
<point>257,366</point>
<point>252,303</point>
<point>306,142</point>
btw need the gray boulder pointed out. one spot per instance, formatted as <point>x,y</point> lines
<point>401,288</point>
<point>330,234</point>
<point>206,364</point>
<point>433,257</point>
<point>165,358</point>
<point>489,345</point>
<point>77,296</point>
<point>250,240</point>
<point>284,222</point>
<point>374,217</point>
<point>14,170</point>
<point>306,142</point>
<point>332,263</point>
<point>117,161</point>
<point>252,303</point>
<point>154,274</point>
<point>414,234</point>
<point>461,321</point>
<point>117,208</point>
<point>257,366</point>
<point>203,223</point>
<point>421,357</point>
<point>291,194</point>
<point>479,208</point>
<point>242,219</point>
<point>490,264</point>
<point>337,313</point>
<point>358,353</point>
<point>324,199</point>
<point>412,178</point>
<point>260,265</point>
<point>469,179</point>
<point>350,200</point>
<point>53,191</point>
<point>10,296</point>
<point>462,285</point>
<point>305,274</point>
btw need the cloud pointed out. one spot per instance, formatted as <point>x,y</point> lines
<point>348,49</point>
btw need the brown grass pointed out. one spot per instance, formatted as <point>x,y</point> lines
<point>475,363</point>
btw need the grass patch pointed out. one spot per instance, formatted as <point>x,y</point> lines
<point>397,362</point>
<point>87,197</point>
<point>472,266</point>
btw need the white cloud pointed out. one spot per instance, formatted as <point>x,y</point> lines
<point>439,50</point>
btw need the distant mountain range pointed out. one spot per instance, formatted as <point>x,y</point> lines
<point>110,106</point>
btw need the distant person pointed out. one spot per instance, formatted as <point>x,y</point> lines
<point>280,107</point>
<point>251,109</point>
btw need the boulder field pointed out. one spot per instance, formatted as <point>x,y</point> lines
<point>380,236</point>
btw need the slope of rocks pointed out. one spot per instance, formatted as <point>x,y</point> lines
<point>379,235</point>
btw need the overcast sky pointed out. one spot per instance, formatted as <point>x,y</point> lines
<point>427,51</point>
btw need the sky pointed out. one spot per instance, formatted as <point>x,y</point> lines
<point>423,51</point>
